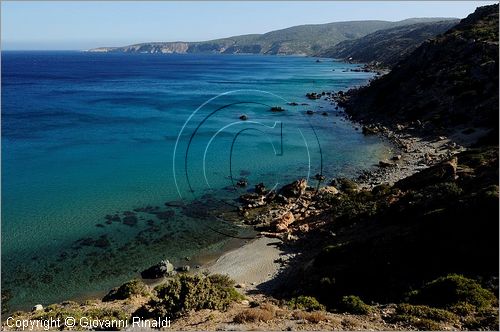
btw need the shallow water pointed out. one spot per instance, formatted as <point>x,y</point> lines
<point>88,135</point>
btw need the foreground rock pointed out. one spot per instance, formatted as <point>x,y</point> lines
<point>160,270</point>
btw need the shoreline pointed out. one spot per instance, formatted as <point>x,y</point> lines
<point>413,154</point>
<point>252,263</point>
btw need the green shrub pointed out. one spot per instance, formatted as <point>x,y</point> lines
<point>127,290</point>
<point>462,308</point>
<point>305,303</point>
<point>422,317</point>
<point>354,305</point>
<point>453,289</point>
<point>422,311</point>
<point>191,292</point>
<point>445,189</point>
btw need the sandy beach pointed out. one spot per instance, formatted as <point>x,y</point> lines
<point>253,264</point>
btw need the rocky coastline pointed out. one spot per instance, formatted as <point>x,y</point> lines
<point>410,245</point>
<point>289,215</point>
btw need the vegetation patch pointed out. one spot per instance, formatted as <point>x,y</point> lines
<point>252,315</point>
<point>308,303</point>
<point>183,293</point>
<point>454,289</point>
<point>129,289</point>
<point>354,305</point>
<point>314,317</point>
<point>422,317</point>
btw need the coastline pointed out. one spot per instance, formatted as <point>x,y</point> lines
<point>257,262</point>
<point>263,255</point>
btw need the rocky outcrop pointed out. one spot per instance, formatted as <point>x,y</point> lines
<point>294,189</point>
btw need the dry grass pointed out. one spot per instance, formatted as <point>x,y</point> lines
<point>314,317</point>
<point>265,313</point>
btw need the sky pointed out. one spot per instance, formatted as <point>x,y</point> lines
<point>68,25</point>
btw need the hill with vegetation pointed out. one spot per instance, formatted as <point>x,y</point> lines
<point>298,40</point>
<point>449,84</point>
<point>386,47</point>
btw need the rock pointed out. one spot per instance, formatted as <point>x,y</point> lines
<point>313,95</point>
<point>319,177</point>
<point>304,228</point>
<point>292,103</point>
<point>240,285</point>
<point>175,203</point>
<point>277,109</point>
<point>324,114</point>
<point>184,268</point>
<point>162,269</point>
<point>443,171</point>
<point>290,237</point>
<point>243,117</point>
<point>242,183</point>
<point>330,190</point>
<point>260,189</point>
<point>253,199</point>
<point>370,130</point>
<point>37,307</point>
<point>285,220</point>
<point>187,258</point>
<point>102,242</point>
<point>245,302</point>
<point>396,157</point>
<point>294,189</point>
<point>309,112</point>
<point>130,220</point>
<point>384,164</point>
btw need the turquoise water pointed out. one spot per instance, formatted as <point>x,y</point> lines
<point>88,135</point>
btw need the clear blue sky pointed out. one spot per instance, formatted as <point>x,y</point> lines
<point>81,25</point>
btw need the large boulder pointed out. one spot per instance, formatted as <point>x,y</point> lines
<point>160,270</point>
<point>286,220</point>
<point>294,189</point>
<point>442,172</point>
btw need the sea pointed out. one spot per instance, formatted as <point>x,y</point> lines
<point>112,162</point>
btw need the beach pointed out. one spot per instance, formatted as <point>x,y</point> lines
<point>250,266</point>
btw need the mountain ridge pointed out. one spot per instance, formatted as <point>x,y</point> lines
<point>307,39</point>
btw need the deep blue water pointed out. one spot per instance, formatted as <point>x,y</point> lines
<point>86,135</point>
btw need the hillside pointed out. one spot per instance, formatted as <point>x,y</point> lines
<point>300,40</point>
<point>449,84</point>
<point>386,47</point>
